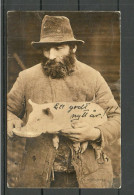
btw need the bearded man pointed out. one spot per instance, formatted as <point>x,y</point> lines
<point>60,77</point>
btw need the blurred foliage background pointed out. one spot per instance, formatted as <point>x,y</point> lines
<point>101,33</point>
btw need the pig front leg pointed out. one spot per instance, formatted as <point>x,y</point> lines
<point>80,147</point>
<point>56,141</point>
<point>84,146</point>
<point>77,146</point>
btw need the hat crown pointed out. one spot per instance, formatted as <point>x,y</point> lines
<point>56,28</point>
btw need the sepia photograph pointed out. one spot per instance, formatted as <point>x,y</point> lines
<point>63,99</point>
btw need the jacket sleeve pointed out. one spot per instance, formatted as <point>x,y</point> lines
<point>110,130</point>
<point>16,98</point>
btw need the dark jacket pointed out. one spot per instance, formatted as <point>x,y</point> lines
<point>84,84</point>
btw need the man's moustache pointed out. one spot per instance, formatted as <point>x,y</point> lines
<point>52,63</point>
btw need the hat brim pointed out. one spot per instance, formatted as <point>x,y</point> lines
<point>40,45</point>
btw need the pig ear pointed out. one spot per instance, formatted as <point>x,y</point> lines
<point>31,103</point>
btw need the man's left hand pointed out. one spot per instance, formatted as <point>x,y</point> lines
<point>81,132</point>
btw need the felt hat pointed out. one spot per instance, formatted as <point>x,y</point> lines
<point>55,29</point>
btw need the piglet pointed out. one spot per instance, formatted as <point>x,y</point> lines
<point>53,117</point>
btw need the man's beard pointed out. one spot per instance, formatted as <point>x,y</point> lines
<point>59,69</point>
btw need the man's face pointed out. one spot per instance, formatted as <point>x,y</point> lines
<point>58,60</point>
<point>57,52</point>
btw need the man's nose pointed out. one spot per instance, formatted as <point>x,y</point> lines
<point>52,54</point>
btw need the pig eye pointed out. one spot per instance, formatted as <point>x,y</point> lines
<point>38,119</point>
<point>46,111</point>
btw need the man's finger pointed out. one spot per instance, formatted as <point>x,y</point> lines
<point>74,138</point>
<point>71,131</point>
<point>79,125</point>
<point>70,135</point>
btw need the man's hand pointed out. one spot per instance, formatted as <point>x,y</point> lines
<point>81,132</point>
<point>13,123</point>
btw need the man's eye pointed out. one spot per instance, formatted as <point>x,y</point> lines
<point>58,48</point>
<point>46,49</point>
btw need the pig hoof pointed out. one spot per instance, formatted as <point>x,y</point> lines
<point>56,145</point>
<point>84,147</point>
<point>76,147</point>
<point>56,142</point>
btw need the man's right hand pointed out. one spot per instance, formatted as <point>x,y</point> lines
<point>13,123</point>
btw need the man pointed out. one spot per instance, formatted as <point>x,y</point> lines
<point>61,77</point>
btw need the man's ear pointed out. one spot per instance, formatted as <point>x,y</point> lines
<point>75,48</point>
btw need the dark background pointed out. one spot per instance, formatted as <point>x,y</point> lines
<point>127,94</point>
